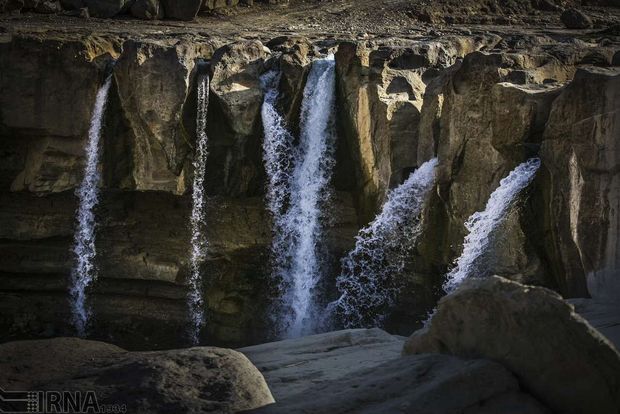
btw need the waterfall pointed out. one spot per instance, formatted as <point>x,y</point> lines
<point>278,159</point>
<point>298,189</point>
<point>481,224</point>
<point>368,283</point>
<point>84,271</point>
<point>197,219</point>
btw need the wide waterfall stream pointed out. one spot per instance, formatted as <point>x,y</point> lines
<point>481,225</point>
<point>298,189</point>
<point>84,271</point>
<point>197,218</point>
<point>368,283</point>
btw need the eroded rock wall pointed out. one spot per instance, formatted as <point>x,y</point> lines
<point>482,103</point>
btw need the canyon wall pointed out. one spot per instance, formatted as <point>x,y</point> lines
<point>481,102</point>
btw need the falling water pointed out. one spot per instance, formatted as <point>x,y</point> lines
<point>197,219</point>
<point>368,284</point>
<point>84,271</point>
<point>298,190</point>
<point>481,224</point>
<point>278,158</point>
<point>309,190</point>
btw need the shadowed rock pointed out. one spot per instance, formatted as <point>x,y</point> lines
<point>188,380</point>
<point>554,353</point>
<point>361,371</point>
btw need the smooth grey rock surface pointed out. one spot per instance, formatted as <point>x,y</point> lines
<point>361,371</point>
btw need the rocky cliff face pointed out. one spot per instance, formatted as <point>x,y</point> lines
<point>482,102</point>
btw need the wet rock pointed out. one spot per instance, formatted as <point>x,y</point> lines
<point>554,353</point>
<point>147,9</point>
<point>181,9</point>
<point>581,158</point>
<point>575,19</point>
<point>188,380</point>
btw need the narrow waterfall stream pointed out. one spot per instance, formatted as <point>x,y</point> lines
<point>298,189</point>
<point>197,219</point>
<point>84,271</point>
<point>482,224</point>
<point>368,284</point>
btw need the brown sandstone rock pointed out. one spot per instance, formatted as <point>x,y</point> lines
<point>554,353</point>
<point>46,80</point>
<point>581,156</point>
<point>153,82</point>
<point>234,129</point>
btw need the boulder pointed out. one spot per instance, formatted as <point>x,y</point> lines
<point>361,371</point>
<point>581,156</point>
<point>188,380</point>
<point>181,9</point>
<point>556,355</point>
<point>575,19</point>
<point>147,9</point>
<point>106,8</point>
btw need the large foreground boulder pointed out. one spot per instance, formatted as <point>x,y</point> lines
<point>202,379</point>
<point>361,371</point>
<point>555,353</point>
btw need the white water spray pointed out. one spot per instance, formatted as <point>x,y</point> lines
<point>297,192</point>
<point>481,224</point>
<point>84,271</point>
<point>368,283</point>
<point>278,159</point>
<point>197,218</point>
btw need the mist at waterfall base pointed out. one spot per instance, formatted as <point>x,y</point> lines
<point>195,300</point>
<point>84,272</point>
<point>369,282</point>
<point>297,194</point>
<point>482,224</point>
